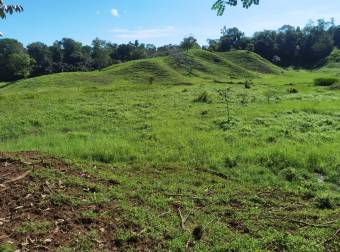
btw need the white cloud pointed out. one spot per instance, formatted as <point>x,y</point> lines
<point>114,13</point>
<point>140,33</point>
<point>98,12</point>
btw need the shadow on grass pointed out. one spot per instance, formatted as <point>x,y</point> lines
<point>8,84</point>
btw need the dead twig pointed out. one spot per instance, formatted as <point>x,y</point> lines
<point>337,232</point>
<point>216,173</point>
<point>165,213</point>
<point>3,237</point>
<point>184,219</point>
<point>22,176</point>
<point>323,225</point>
<point>183,195</point>
<point>48,187</point>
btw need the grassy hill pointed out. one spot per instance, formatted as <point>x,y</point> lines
<point>333,60</point>
<point>160,167</point>
<point>251,62</point>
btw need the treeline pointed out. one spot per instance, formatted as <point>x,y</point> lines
<point>287,46</point>
<point>66,55</point>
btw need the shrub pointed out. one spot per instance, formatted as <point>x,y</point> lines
<point>203,98</point>
<point>247,85</point>
<point>230,162</point>
<point>325,81</point>
<point>289,174</point>
<point>244,98</point>
<point>324,203</point>
<point>292,91</point>
<point>151,80</point>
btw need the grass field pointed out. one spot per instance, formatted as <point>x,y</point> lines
<point>189,177</point>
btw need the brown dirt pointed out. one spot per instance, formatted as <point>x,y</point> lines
<point>26,199</point>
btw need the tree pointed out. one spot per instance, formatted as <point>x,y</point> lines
<point>100,54</point>
<point>220,5</point>
<point>336,36</point>
<point>231,38</point>
<point>42,56</point>
<point>18,65</point>
<point>287,40</point>
<point>317,42</point>
<point>15,63</point>
<point>189,43</point>
<point>226,97</point>
<point>265,44</point>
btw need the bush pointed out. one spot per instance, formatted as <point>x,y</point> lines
<point>203,98</point>
<point>324,203</point>
<point>292,91</point>
<point>151,80</point>
<point>230,162</point>
<point>289,174</point>
<point>325,81</point>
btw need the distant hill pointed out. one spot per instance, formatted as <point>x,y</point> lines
<point>178,68</point>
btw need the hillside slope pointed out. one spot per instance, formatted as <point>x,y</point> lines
<point>251,62</point>
<point>179,68</point>
<point>333,60</point>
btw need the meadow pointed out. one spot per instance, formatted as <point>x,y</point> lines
<point>265,177</point>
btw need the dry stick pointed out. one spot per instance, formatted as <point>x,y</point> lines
<point>333,236</point>
<point>22,176</point>
<point>165,213</point>
<point>216,173</point>
<point>324,225</point>
<point>183,195</point>
<point>184,219</point>
<point>48,187</point>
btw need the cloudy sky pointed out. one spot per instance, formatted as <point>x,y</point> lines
<point>153,21</point>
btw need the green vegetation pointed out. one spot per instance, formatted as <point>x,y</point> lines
<point>6,9</point>
<point>39,227</point>
<point>288,46</point>
<point>333,60</point>
<point>325,81</point>
<point>220,5</point>
<point>254,167</point>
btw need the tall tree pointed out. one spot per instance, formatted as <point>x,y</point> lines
<point>189,43</point>
<point>15,63</point>
<point>42,56</point>
<point>101,54</point>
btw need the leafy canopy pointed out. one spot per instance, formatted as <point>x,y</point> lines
<point>9,9</point>
<point>220,5</point>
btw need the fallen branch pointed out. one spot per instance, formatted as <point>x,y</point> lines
<point>3,237</point>
<point>184,219</point>
<point>333,236</point>
<point>183,195</point>
<point>216,173</point>
<point>22,176</point>
<point>165,213</point>
<point>324,225</point>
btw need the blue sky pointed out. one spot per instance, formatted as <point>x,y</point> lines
<point>153,21</point>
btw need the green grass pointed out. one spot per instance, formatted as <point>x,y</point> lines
<point>162,142</point>
<point>333,60</point>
